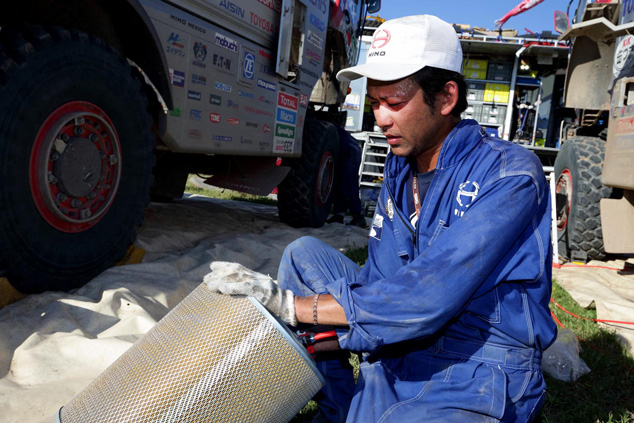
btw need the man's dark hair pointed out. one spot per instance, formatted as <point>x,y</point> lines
<point>432,81</point>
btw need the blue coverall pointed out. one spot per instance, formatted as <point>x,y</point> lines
<point>451,316</point>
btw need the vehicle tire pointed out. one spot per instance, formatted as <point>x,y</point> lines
<point>76,157</point>
<point>305,195</point>
<point>579,190</point>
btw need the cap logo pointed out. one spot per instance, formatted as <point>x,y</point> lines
<point>381,38</point>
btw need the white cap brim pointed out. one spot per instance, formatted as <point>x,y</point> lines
<point>378,71</point>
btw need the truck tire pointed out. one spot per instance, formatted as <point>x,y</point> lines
<point>579,190</point>
<point>305,195</point>
<point>76,157</point>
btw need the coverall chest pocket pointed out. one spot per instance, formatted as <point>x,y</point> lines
<point>441,227</point>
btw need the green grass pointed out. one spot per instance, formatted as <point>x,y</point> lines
<point>227,194</point>
<point>606,394</point>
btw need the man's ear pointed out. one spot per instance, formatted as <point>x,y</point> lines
<point>448,98</point>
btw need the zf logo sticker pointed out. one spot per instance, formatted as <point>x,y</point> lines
<point>249,65</point>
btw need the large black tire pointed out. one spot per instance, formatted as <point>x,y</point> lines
<point>579,190</point>
<point>305,195</point>
<point>75,157</point>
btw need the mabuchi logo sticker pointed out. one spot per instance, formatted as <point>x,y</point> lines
<point>226,43</point>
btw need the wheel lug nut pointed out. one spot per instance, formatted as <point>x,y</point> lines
<point>79,130</point>
<point>113,160</point>
<point>52,179</point>
<point>92,195</point>
<point>54,156</point>
<point>93,137</point>
<point>76,203</point>
<point>64,137</point>
<point>62,197</point>
<point>79,120</point>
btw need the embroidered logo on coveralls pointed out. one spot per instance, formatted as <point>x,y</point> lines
<point>467,192</point>
<point>377,227</point>
<point>389,209</point>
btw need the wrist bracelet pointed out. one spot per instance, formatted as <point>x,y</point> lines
<point>315,301</point>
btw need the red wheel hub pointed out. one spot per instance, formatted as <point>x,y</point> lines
<point>564,189</point>
<point>75,166</point>
<point>325,178</point>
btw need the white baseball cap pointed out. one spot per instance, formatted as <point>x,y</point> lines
<point>404,46</point>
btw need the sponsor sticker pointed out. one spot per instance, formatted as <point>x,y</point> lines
<point>232,104</point>
<point>199,79</point>
<point>176,112</point>
<point>175,45</point>
<point>214,99</point>
<point>177,77</point>
<point>222,86</point>
<point>214,118</point>
<point>233,121</point>
<point>194,95</point>
<point>195,114</point>
<point>194,133</point>
<point>251,124</point>
<point>267,85</point>
<point>221,63</point>
<point>200,53</point>
<point>286,116</point>
<point>315,39</point>
<point>248,70</point>
<point>226,42</point>
<point>288,101</point>
<point>284,131</point>
<point>245,94</point>
<point>222,138</point>
<point>317,23</point>
<point>303,100</point>
<point>232,8</point>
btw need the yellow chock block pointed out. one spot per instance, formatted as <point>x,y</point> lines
<point>134,255</point>
<point>8,294</point>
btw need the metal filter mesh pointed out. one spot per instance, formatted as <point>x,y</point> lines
<point>213,358</point>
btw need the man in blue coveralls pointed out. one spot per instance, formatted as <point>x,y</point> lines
<point>450,311</point>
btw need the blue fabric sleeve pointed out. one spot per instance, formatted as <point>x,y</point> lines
<point>466,259</point>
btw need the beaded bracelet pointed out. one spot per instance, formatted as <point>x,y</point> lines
<point>315,300</point>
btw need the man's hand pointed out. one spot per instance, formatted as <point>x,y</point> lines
<point>235,279</point>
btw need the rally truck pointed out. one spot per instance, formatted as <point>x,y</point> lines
<point>595,165</point>
<point>105,104</point>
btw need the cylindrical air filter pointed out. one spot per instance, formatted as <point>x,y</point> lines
<point>213,358</point>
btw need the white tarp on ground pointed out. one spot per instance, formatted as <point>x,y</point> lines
<point>54,344</point>
<point>606,286</point>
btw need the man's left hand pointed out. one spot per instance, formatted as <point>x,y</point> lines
<point>235,279</point>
